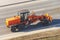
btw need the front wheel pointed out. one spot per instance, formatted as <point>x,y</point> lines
<point>46,22</point>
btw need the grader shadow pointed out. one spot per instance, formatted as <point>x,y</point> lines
<point>39,26</point>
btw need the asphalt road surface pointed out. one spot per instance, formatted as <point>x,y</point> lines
<point>56,23</point>
<point>13,2</point>
<point>6,2</point>
<point>55,13</point>
<point>9,11</point>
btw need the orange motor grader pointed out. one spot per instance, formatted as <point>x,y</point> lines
<point>23,19</point>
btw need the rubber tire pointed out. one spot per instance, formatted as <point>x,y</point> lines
<point>19,27</point>
<point>46,22</point>
<point>13,28</point>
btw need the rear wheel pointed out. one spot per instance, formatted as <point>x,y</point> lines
<point>14,29</point>
<point>17,28</point>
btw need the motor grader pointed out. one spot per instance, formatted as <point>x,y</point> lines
<point>23,19</point>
